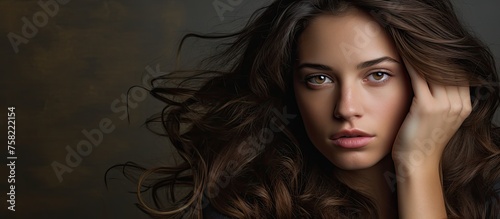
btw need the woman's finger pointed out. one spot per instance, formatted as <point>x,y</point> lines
<point>439,92</point>
<point>420,86</point>
<point>454,99</point>
<point>464,92</point>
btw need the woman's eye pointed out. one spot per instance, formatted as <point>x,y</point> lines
<point>318,79</point>
<point>379,77</point>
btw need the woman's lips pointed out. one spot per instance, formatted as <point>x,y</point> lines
<point>352,142</point>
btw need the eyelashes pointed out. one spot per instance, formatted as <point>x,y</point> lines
<point>318,79</point>
<point>377,78</point>
<point>382,74</point>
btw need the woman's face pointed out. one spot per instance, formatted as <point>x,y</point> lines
<point>349,76</point>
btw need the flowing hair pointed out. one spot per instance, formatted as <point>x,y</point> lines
<point>241,141</point>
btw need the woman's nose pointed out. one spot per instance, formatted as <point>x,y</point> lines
<point>349,104</point>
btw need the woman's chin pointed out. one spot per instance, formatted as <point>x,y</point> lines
<point>355,162</point>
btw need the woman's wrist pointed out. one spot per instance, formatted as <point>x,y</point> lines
<point>415,163</point>
<point>420,192</point>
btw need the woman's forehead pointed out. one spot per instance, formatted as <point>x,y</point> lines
<point>349,38</point>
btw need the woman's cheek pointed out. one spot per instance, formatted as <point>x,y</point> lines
<point>391,103</point>
<point>316,109</point>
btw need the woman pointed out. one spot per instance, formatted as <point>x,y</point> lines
<point>335,109</point>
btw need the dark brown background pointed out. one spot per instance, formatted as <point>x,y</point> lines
<point>66,78</point>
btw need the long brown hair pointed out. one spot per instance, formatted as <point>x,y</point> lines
<point>242,144</point>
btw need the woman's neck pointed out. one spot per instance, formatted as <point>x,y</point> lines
<point>377,182</point>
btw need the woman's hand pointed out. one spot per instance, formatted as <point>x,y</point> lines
<point>435,115</point>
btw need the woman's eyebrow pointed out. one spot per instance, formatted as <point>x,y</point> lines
<point>362,65</point>
<point>376,61</point>
<point>314,66</point>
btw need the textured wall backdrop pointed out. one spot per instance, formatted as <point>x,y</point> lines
<point>66,66</point>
